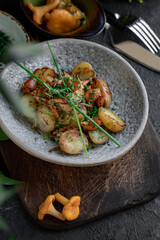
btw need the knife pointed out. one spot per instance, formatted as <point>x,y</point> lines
<point>139,54</point>
<point>129,47</point>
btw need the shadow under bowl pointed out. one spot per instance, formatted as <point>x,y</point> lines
<point>95,19</point>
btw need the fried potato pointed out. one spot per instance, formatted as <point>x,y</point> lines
<point>45,74</point>
<point>73,120</point>
<point>77,95</point>
<point>64,119</point>
<point>70,118</point>
<point>84,71</point>
<point>98,137</point>
<point>50,74</point>
<point>71,142</point>
<point>103,86</point>
<point>111,120</point>
<point>45,119</point>
<point>64,107</point>
<point>29,106</point>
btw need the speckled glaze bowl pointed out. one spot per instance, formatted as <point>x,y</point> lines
<point>129,101</point>
<point>14,29</point>
<point>95,19</point>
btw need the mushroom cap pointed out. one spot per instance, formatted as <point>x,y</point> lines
<point>71,209</point>
<point>40,11</point>
<point>43,208</point>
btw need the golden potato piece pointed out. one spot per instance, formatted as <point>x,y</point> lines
<point>45,119</point>
<point>70,118</point>
<point>64,107</point>
<point>71,142</point>
<point>77,95</point>
<point>73,120</point>
<point>29,106</point>
<point>45,74</point>
<point>49,74</point>
<point>111,120</point>
<point>84,71</point>
<point>103,86</point>
<point>64,119</point>
<point>98,137</point>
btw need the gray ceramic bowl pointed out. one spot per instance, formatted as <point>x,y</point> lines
<point>14,29</point>
<point>129,100</point>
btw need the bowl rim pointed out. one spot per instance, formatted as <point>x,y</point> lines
<point>136,137</point>
<point>52,35</point>
<point>21,26</point>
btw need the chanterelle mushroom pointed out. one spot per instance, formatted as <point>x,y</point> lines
<point>71,207</point>
<point>47,208</point>
<point>40,11</point>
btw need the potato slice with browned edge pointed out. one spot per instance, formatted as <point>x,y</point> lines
<point>98,137</point>
<point>84,71</point>
<point>29,106</point>
<point>70,118</point>
<point>64,107</point>
<point>103,86</point>
<point>45,119</point>
<point>80,116</point>
<point>71,142</point>
<point>77,95</point>
<point>111,120</point>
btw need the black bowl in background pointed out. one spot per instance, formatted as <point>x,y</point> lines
<point>95,19</point>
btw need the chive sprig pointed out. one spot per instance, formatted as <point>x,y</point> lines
<point>60,92</point>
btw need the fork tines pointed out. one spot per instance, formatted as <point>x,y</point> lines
<point>146,34</point>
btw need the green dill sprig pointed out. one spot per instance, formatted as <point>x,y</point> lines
<point>80,129</point>
<point>82,20</point>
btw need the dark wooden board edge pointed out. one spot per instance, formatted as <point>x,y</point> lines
<point>112,187</point>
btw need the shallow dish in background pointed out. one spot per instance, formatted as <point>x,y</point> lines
<point>95,19</point>
<point>129,100</point>
<point>14,29</point>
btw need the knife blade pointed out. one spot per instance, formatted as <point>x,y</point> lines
<point>138,53</point>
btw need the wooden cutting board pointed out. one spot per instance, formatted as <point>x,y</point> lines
<point>106,189</point>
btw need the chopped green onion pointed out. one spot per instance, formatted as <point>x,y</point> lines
<point>71,103</point>
<point>73,106</point>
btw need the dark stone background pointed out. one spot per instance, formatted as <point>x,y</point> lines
<point>139,223</point>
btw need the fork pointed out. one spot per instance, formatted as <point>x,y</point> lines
<point>138,26</point>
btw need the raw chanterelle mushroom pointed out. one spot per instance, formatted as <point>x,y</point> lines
<point>40,11</point>
<point>70,210</point>
<point>47,208</point>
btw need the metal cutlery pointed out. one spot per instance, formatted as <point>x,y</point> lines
<point>139,54</point>
<point>136,25</point>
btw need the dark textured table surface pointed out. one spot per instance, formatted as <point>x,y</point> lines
<point>141,222</point>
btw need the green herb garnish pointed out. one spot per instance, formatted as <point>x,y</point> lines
<point>70,101</point>
<point>5,42</point>
<point>65,90</point>
<point>82,20</point>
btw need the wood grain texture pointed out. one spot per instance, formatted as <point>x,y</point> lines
<point>105,189</point>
